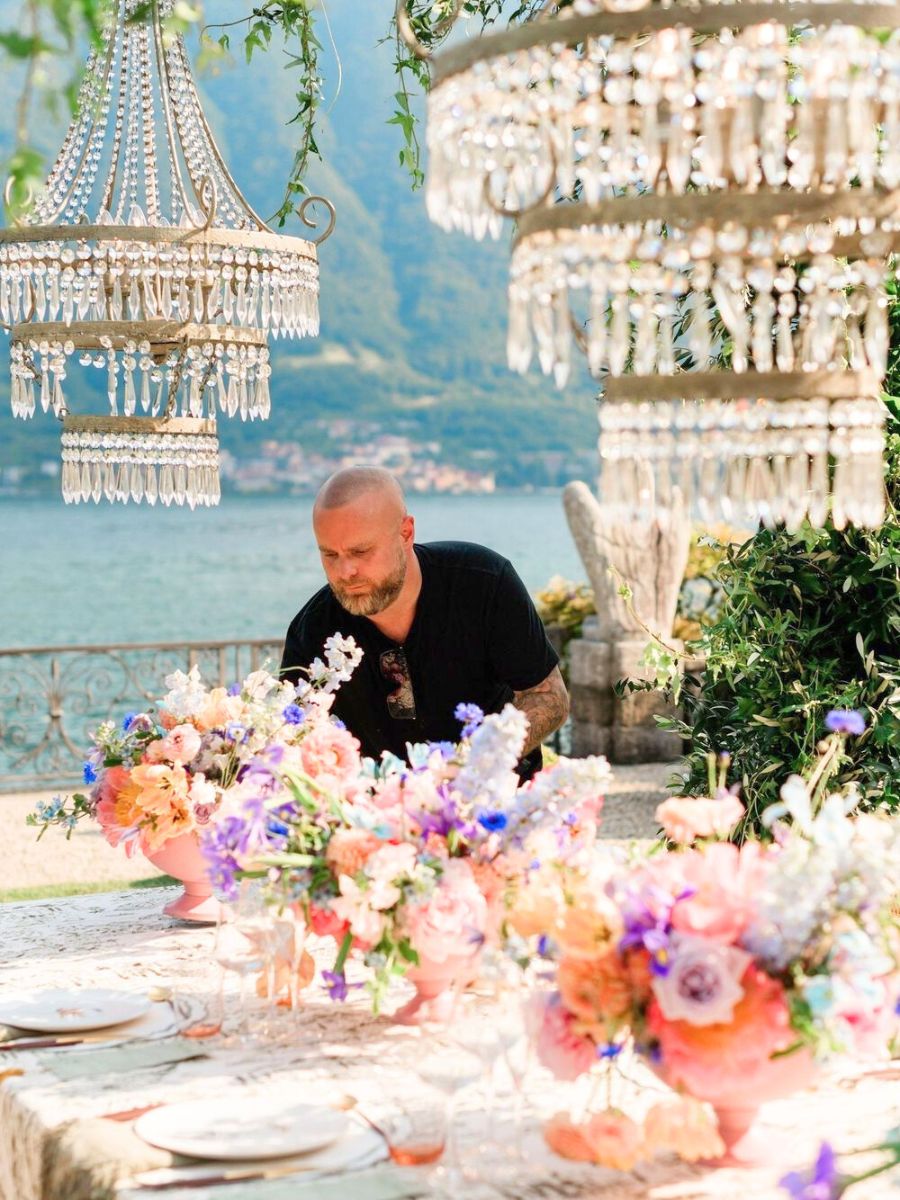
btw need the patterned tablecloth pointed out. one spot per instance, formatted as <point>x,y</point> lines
<point>53,1148</point>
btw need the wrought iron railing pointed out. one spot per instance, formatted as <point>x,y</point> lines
<point>51,697</point>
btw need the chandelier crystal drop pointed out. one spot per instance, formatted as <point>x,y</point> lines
<point>141,258</point>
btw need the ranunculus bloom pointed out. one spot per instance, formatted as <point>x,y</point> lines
<point>330,752</point>
<point>686,818</point>
<point>349,850</point>
<point>596,990</point>
<point>725,881</point>
<point>686,1127</point>
<point>703,982</point>
<point>558,1046</point>
<point>180,745</point>
<point>452,920</point>
<point>711,1060</point>
<point>614,1140</point>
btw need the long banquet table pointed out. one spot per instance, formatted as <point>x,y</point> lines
<point>56,1145</point>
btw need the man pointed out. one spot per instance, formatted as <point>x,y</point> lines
<point>439,624</point>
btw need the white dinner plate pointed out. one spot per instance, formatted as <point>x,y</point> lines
<point>241,1128</point>
<point>61,1010</point>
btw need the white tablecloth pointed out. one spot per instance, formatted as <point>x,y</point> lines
<point>123,940</point>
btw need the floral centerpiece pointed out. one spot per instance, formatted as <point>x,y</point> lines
<point>413,863</point>
<point>159,778</point>
<point>732,969</point>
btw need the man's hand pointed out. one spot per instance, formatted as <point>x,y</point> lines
<point>546,705</point>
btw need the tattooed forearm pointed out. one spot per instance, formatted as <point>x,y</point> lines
<point>546,706</point>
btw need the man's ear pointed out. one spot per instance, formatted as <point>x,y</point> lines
<point>408,530</point>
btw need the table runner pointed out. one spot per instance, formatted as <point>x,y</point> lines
<point>51,1147</point>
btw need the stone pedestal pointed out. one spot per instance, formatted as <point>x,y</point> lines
<point>622,728</point>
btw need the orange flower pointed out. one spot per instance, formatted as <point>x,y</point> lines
<point>615,1140</point>
<point>349,849</point>
<point>117,808</point>
<point>567,1139</point>
<point>163,800</point>
<point>707,1058</point>
<point>595,990</point>
<point>686,1127</point>
<point>590,927</point>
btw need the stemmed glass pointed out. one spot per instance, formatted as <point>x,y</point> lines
<point>244,942</point>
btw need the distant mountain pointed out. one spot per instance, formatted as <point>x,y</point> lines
<point>413,319</point>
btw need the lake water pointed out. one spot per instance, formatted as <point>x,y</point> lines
<point>113,573</point>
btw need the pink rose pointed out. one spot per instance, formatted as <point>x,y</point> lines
<point>559,1048</point>
<point>725,881</point>
<point>330,752</point>
<point>686,818</point>
<point>452,920</point>
<point>180,745</point>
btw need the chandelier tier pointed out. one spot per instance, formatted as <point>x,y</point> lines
<point>142,258</point>
<point>596,102</point>
<point>696,185</point>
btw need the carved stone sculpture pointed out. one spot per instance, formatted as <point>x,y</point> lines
<point>650,555</point>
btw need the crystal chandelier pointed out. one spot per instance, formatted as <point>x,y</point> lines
<point>142,259</point>
<point>720,170</point>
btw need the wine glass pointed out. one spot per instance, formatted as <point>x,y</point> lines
<point>244,939</point>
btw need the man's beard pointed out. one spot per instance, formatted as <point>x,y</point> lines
<point>377,599</point>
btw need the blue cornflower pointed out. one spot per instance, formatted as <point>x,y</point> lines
<point>493,822</point>
<point>610,1050</point>
<point>845,720</point>
<point>293,714</point>
<point>88,773</point>
<point>821,1182</point>
<point>471,717</point>
<point>544,945</point>
<point>128,720</point>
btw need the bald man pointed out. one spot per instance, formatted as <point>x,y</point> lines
<point>440,624</point>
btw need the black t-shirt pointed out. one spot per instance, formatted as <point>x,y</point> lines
<point>475,638</point>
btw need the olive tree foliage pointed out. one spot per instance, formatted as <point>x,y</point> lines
<point>49,38</point>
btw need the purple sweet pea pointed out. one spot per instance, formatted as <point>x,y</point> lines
<point>845,720</point>
<point>821,1182</point>
<point>471,717</point>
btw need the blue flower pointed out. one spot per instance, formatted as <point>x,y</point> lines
<point>544,945</point>
<point>236,732</point>
<point>821,1182</point>
<point>338,723</point>
<point>88,772</point>
<point>293,714</point>
<point>845,720</point>
<point>610,1050</point>
<point>493,822</point>
<point>471,717</point>
<point>128,720</point>
<point>234,689</point>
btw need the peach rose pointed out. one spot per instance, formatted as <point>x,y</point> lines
<point>330,753</point>
<point>590,927</point>
<point>684,1126</point>
<point>686,818</point>
<point>558,1045</point>
<point>349,850</point>
<point>180,745</point>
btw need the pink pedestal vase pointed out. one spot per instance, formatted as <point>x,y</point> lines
<point>435,983</point>
<point>737,1102</point>
<point>180,857</point>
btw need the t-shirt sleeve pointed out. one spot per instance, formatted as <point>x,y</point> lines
<point>300,648</point>
<point>518,650</point>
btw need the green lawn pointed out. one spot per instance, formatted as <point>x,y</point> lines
<point>51,890</point>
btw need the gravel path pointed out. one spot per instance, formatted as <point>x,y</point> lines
<point>88,858</point>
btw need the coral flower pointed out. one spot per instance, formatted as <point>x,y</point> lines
<point>117,809</point>
<point>686,818</point>
<point>349,850</point>
<point>710,1060</point>
<point>685,1126</point>
<point>163,799</point>
<point>536,906</point>
<point>590,927</point>
<point>595,990</point>
<point>615,1140</point>
<point>567,1139</point>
